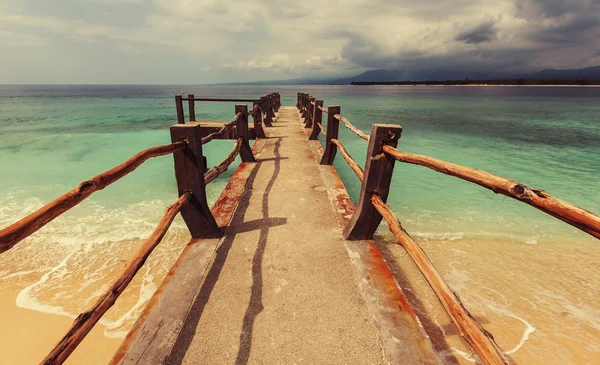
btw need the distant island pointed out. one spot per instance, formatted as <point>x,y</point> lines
<point>467,82</point>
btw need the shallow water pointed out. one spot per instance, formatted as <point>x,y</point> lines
<point>529,277</point>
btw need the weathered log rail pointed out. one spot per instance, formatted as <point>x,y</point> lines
<point>192,176</point>
<point>372,208</point>
<point>263,109</point>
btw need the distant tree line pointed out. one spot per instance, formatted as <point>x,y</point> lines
<point>483,82</point>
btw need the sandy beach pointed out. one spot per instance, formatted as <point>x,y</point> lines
<point>28,336</point>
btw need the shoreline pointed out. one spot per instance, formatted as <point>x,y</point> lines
<point>471,85</point>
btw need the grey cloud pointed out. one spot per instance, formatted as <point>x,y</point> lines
<point>484,32</point>
<point>110,13</point>
<point>560,21</point>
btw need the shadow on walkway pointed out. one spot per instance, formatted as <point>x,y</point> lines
<point>237,225</point>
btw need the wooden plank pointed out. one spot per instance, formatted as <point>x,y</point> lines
<point>242,132</point>
<point>84,323</point>
<point>332,132</point>
<point>189,171</point>
<point>403,338</point>
<point>377,178</point>
<point>153,336</point>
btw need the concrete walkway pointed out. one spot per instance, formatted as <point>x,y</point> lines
<point>282,289</point>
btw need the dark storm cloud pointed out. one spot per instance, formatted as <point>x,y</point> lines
<point>561,22</point>
<point>553,31</point>
<point>484,32</point>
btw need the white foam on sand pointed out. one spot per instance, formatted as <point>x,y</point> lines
<point>25,299</point>
<point>529,329</point>
<point>147,289</point>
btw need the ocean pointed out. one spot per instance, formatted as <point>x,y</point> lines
<point>529,278</point>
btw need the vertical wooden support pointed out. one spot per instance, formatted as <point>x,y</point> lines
<point>305,107</point>
<point>311,110</point>
<point>377,178</point>
<point>267,110</point>
<point>303,104</point>
<point>179,106</point>
<point>242,131</point>
<point>332,132</point>
<point>298,98</point>
<point>189,171</point>
<point>191,106</point>
<point>277,101</point>
<point>317,118</point>
<point>271,111</point>
<point>257,118</point>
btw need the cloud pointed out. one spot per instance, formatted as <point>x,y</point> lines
<point>274,39</point>
<point>484,32</point>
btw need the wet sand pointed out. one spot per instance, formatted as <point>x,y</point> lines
<point>538,300</point>
<point>44,286</point>
<point>28,336</point>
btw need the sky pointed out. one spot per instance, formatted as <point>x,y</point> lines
<point>206,41</point>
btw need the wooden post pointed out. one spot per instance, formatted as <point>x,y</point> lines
<point>189,171</point>
<point>179,106</point>
<point>191,106</point>
<point>265,108</point>
<point>277,101</point>
<point>332,132</point>
<point>311,110</point>
<point>318,118</point>
<point>377,178</point>
<point>298,98</point>
<point>257,118</point>
<point>305,107</point>
<point>242,131</point>
<point>271,113</point>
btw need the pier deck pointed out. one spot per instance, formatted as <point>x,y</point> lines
<point>283,290</point>
<point>283,287</point>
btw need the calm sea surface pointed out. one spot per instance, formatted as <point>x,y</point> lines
<point>528,276</point>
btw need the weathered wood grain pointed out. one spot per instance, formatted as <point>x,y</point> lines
<point>332,132</point>
<point>191,107</point>
<point>217,170</point>
<point>353,165</point>
<point>317,119</point>
<point>377,178</point>
<point>565,211</point>
<point>241,127</point>
<point>179,107</point>
<point>189,172</point>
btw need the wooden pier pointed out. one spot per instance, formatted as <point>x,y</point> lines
<point>283,268</point>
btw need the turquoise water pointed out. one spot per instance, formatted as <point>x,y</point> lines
<point>54,137</point>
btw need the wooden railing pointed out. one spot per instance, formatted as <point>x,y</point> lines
<point>192,176</point>
<point>263,109</point>
<point>372,208</point>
